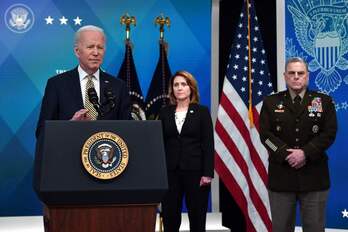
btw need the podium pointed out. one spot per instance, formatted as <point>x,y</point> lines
<point>76,201</point>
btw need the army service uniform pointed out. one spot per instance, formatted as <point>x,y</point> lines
<point>312,127</point>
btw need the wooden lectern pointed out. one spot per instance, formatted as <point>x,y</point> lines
<point>77,201</point>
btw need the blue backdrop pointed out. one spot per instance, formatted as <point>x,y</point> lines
<point>34,48</point>
<point>317,30</point>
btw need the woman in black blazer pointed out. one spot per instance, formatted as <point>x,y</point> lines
<point>189,145</point>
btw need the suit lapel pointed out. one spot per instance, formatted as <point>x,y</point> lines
<point>102,84</point>
<point>172,118</point>
<point>305,102</point>
<point>288,102</point>
<point>191,111</point>
<point>75,88</point>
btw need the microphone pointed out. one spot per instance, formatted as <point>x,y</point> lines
<point>110,98</point>
<point>93,98</point>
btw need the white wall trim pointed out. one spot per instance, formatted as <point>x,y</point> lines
<point>214,87</point>
<point>280,44</point>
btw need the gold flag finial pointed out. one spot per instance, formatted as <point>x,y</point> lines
<point>127,20</point>
<point>162,21</point>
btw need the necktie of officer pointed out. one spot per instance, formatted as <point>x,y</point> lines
<point>92,112</point>
<point>297,103</point>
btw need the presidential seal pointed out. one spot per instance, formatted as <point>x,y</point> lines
<point>105,155</point>
<point>19,18</point>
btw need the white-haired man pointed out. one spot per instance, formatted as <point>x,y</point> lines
<point>66,95</point>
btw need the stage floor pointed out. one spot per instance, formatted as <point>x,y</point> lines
<point>35,224</point>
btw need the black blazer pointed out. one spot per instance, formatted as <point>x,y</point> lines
<point>193,148</point>
<point>63,98</point>
<point>312,129</point>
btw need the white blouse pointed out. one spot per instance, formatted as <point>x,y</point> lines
<point>180,119</point>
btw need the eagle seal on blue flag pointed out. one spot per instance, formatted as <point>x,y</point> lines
<point>321,30</point>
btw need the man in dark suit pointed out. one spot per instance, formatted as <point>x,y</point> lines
<point>297,126</point>
<point>66,96</point>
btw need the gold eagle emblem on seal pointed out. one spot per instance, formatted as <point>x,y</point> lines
<point>105,155</point>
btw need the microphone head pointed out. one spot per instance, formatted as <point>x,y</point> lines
<point>108,93</point>
<point>93,96</point>
<point>110,96</point>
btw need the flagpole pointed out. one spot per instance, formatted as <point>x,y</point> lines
<point>162,21</point>
<point>128,72</point>
<point>157,96</point>
<point>250,111</point>
<point>128,21</point>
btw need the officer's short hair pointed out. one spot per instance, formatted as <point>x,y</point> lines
<point>295,59</point>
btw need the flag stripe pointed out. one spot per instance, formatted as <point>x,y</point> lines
<point>240,119</point>
<point>233,164</point>
<point>230,182</point>
<point>236,141</point>
<point>233,96</point>
<point>249,173</point>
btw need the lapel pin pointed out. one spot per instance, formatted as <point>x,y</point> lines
<point>191,111</point>
<point>315,129</point>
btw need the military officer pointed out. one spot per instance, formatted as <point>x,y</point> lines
<point>297,126</point>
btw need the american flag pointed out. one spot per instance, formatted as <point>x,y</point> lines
<point>240,159</point>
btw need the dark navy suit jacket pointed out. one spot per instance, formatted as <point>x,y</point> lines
<point>63,98</point>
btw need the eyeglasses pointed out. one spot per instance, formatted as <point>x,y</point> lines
<point>294,73</point>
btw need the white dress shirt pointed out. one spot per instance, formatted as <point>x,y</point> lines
<point>83,81</point>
